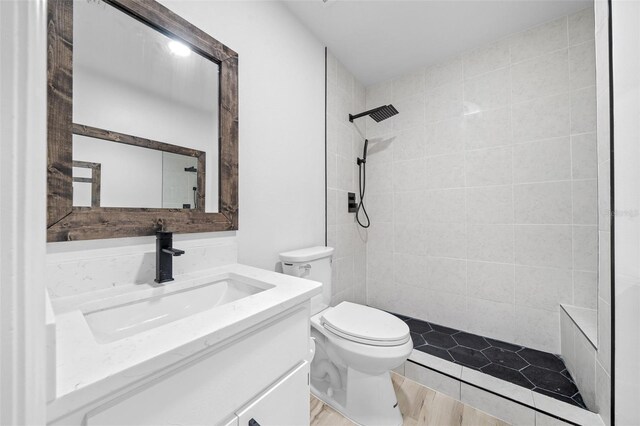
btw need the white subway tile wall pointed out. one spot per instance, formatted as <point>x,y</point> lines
<point>483,191</point>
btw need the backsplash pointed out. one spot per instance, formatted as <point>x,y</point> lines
<point>82,266</point>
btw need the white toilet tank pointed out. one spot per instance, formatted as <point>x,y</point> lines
<point>313,263</point>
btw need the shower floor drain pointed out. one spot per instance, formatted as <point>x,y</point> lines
<point>538,371</point>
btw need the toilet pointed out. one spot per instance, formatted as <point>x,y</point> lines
<point>356,346</point>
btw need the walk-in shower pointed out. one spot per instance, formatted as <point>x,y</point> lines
<point>378,114</point>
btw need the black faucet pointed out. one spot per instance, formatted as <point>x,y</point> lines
<point>164,256</point>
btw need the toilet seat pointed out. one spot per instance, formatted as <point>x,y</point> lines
<point>362,324</point>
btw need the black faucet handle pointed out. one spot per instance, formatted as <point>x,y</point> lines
<point>164,256</point>
<point>173,251</point>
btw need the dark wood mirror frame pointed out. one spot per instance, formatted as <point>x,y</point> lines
<point>66,222</point>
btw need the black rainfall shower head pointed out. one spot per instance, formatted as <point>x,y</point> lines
<point>381,113</point>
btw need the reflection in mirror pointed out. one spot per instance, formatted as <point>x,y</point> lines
<point>112,174</point>
<point>179,181</point>
<point>86,183</point>
<point>132,79</point>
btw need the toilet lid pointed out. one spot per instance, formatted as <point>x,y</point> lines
<point>365,325</point>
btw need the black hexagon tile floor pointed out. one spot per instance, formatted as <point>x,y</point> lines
<point>539,371</point>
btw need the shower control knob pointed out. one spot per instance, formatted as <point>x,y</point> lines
<point>353,206</point>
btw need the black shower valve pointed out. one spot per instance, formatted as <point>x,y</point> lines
<point>353,206</point>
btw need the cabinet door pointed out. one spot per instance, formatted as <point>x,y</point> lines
<point>284,404</point>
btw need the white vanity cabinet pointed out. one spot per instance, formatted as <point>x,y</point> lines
<point>261,374</point>
<point>283,404</point>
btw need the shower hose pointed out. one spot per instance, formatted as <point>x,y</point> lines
<point>362,181</point>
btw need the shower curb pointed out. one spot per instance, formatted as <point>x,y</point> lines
<point>572,415</point>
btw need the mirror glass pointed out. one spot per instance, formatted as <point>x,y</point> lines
<point>132,79</point>
<point>114,174</point>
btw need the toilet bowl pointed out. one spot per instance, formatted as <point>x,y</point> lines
<point>356,346</point>
<point>365,392</point>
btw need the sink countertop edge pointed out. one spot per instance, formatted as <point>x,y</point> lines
<point>132,359</point>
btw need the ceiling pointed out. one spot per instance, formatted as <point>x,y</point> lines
<point>378,40</point>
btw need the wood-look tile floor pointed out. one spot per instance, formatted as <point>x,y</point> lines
<point>419,405</point>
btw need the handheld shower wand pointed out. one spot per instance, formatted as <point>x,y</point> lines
<point>378,114</point>
<point>364,153</point>
<point>362,181</point>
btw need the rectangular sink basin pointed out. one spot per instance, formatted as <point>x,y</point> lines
<point>127,319</point>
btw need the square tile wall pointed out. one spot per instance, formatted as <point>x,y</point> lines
<point>603,353</point>
<point>591,368</point>
<point>345,141</point>
<point>580,358</point>
<point>483,191</point>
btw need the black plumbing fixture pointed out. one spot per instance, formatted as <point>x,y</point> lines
<point>381,113</point>
<point>378,114</point>
<point>164,256</point>
<point>353,205</point>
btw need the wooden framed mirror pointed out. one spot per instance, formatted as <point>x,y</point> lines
<point>142,123</point>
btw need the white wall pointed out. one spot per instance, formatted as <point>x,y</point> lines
<point>23,50</point>
<point>626,160</point>
<point>345,140</point>
<point>281,81</point>
<point>281,85</point>
<point>486,184</point>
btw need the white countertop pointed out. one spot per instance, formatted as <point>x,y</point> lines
<point>87,370</point>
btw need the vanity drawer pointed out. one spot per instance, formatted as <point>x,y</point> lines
<point>210,390</point>
<point>285,404</point>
